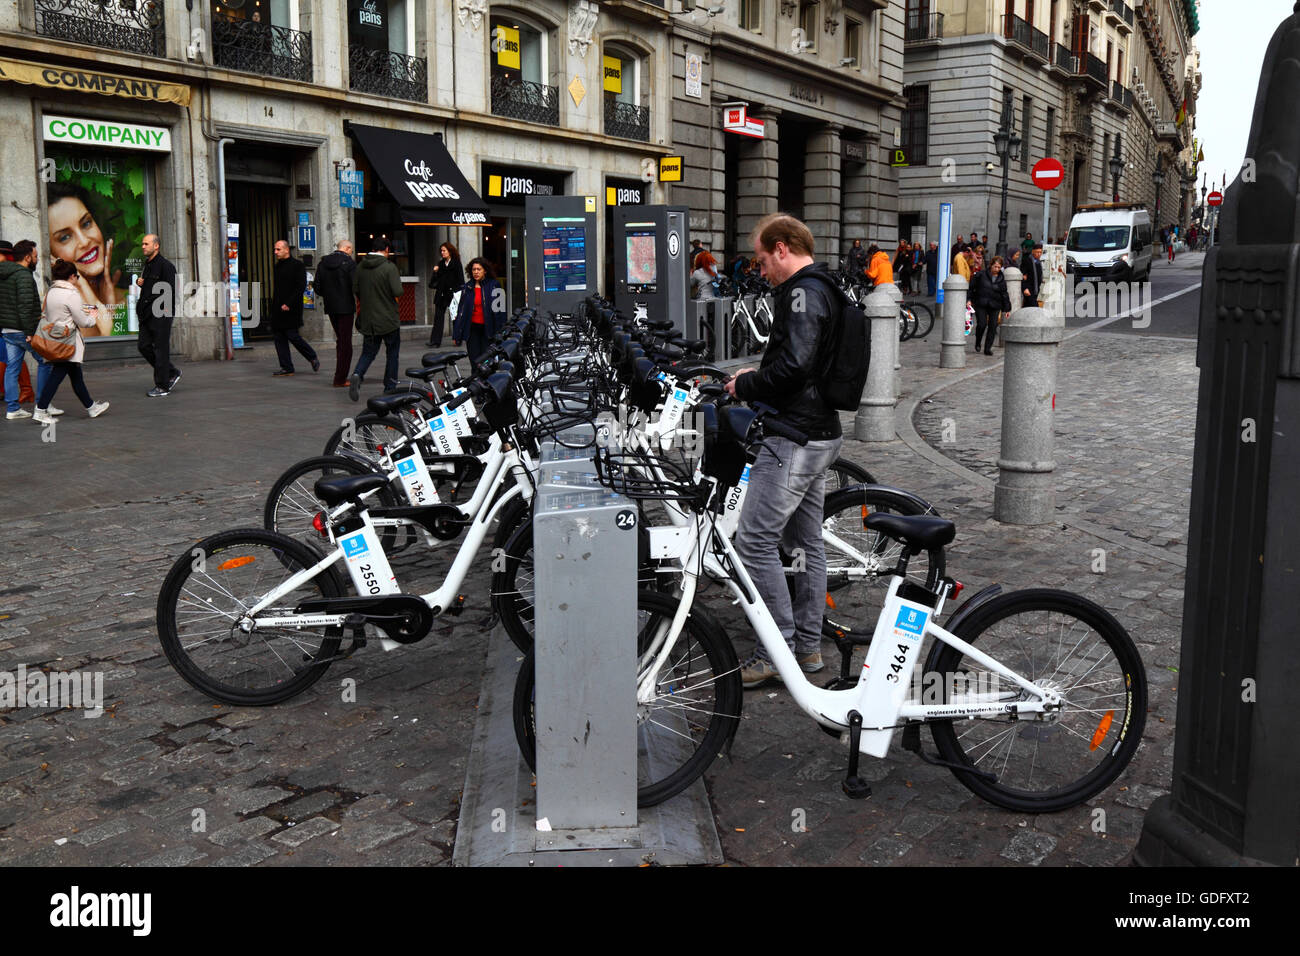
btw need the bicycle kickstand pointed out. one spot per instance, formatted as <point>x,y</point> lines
<point>854,786</point>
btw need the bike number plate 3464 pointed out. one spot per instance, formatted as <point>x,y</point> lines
<point>415,478</point>
<point>887,671</point>
<point>366,561</point>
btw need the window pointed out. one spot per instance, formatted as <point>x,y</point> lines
<point>1027,126</point>
<point>809,25</point>
<point>853,42</point>
<point>1024,225</point>
<point>1105,155</point>
<point>519,50</point>
<point>916,124</point>
<point>624,114</point>
<point>1050,132</point>
<point>751,15</point>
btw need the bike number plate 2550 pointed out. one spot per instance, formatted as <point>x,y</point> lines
<point>887,671</point>
<point>366,561</point>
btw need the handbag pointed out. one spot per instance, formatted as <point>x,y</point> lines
<point>55,341</point>
<point>453,306</point>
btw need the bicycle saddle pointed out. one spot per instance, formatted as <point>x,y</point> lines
<point>383,404</point>
<point>438,359</point>
<point>918,532</point>
<point>424,374</point>
<point>335,491</point>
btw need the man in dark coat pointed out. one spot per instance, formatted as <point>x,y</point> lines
<point>333,284</point>
<point>155,310</point>
<point>1032,283</point>
<point>932,269</point>
<point>290,278</point>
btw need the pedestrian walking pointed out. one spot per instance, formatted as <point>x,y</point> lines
<point>155,311</point>
<point>918,267</point>
<point>25,391</point>
<point>20,313</point>
<point>879,269</point>
<point>787,482</point>
<point>482,310</point>
<point>704,278</point>
<point>377,286</point>
<point>290,278</point>
<point>857,258</point>
<point>902,265</point>
<point>932,269</point>
<point>65,310</point>
<point>1027,245</point>
<point>448,276</point>
<point>988,294</point>
<point>1173,239</point>
<point>333,285</point>
<point>1032,283</point>
<point>961,263</point>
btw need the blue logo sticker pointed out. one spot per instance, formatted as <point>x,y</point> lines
<point>355,546</point>
<point>911,620</point>
<point>744,475</point>
<point>406,466</point>
<point>679,394</point>
<point>436,425</point>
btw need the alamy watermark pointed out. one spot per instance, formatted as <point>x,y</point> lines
<point>77,690</point>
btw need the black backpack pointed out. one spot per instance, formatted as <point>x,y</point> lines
<point>845,377</point>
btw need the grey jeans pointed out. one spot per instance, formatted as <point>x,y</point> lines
<point>783,508</point>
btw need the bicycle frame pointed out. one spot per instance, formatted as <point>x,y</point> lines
<point>879,695</point>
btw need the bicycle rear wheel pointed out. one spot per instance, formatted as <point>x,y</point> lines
<point>291,504</point>
<point>924,319</point>
<point>843,473</point>
<point>695,711</point>
<point>209,589</point>
<point>367,437</point>
<point>1062,642</point>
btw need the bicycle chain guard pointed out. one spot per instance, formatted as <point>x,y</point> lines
<point>404,618</point>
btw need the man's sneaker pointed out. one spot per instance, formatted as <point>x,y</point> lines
<point>21,413</point>
<point>156,392</point>
<point>97,409</point>
<point>54,411</point>
<point>756,671</point>
<point>811,662</point>
<point>281,373</point>
<point>175,378</point>
<point>43,418</point>
<point>354,388</point>
<point>315,365</point>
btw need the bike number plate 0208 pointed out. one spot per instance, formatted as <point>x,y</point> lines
<point>415,479</point>
<point>367,563</point>
<point>444,438</point>
<point>887,671</point>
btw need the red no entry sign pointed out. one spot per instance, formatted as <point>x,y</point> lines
<point>1048,173</point>
<point>1215,198</point>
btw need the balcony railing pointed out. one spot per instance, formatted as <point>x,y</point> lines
<point>1128,97</point>
<point>625,120</point>
<point>1041,44</point>
<point>1065,60</point>
<point>1082,125</point>
<point>262,48</point>
<point>1016,30</point>
<point>133,26</point>
<point>525,100</point>
<point>923,29</point>
<point>388,74</point>
<point>1123,9</point>
<point>1095,70</point>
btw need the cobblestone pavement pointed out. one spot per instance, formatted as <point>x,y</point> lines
<point>165,776</point>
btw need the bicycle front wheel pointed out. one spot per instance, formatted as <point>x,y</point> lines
<point>207,592</point>
<point>694,713</point>
<point>291,504</point>
<point>924,319</point>
<point>1062,642</point>
<point>367,436</point>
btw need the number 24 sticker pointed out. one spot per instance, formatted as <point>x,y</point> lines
<point>625,519</point>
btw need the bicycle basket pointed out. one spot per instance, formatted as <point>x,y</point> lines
<point>646,476</point>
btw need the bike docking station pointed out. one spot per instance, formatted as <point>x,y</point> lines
<point>651,263</point>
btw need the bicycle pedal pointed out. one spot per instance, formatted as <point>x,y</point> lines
<point>457,607</point>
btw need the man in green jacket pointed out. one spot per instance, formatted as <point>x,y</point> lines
<point>20,314</point>
<point>377,287</point>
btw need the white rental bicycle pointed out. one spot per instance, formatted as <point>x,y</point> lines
<point>1036,699</point>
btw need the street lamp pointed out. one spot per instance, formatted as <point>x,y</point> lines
<point>1116,167</point>
<point>1007,145</point>
<point>1158,178</point>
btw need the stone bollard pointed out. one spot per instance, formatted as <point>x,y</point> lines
<point>1026,491</point>
<point>1014,277</point>
<point>891,290</point>
<point>875,418</point>
<point>952,351</point>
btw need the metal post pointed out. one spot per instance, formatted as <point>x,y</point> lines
<point>1025,492</point>
<point>1014,277</point>
<point>952,350</point>
<point>892,290</point>
<point>875,418</point>
<point>1047,205</point>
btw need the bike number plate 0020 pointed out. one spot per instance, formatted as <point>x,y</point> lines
<point>444,438</point>
<point>366,561</point>
<point>734,502</point>
<point>887,671</point>
<point>415,479</point>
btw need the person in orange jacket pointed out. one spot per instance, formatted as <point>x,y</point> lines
<point>879,269</point>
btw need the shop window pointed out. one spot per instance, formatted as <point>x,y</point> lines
<point>751,15</point>
<point>520,70</point>
<point>625,116</point>
<point>916,124</point>
<point>810,25</point>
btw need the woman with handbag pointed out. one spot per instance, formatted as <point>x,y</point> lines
<point>447,278</point>
<point>58,339</point>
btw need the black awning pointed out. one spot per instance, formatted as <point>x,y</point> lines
<point>422,177</point>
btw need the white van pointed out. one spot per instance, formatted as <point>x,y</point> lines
<point>1111,241</point>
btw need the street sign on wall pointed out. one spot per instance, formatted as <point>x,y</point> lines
<point>1215,198</point>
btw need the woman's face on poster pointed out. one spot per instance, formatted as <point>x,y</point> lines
<point>76,237</point>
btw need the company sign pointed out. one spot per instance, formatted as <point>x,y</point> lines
<point>84,132</point>
<point>735,119</point>
<point>368,24</point>
<point>91,81</point>
<point>613,74</point>
<point>506,43</point>
<point>670,169</point>
<point>624,193</point>
<point>512,184</point>
<point>421,188</point>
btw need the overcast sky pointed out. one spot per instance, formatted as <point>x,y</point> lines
<point>1232,45</point>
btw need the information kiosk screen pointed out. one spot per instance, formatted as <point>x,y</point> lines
<point>642,257</point>
<point>564,255</point>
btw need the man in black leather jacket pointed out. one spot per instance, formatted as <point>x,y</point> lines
<point>787,486</point>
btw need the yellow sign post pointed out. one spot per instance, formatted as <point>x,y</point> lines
<point>670,169</point>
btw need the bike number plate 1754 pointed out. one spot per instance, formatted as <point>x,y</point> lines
<point>887,671</point>
<point>415,478</point>
<point>367,563</point>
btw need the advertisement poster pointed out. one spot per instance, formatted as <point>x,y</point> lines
<point>232,268</point>
<point>96,206</point>
<point>1055,283</point>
